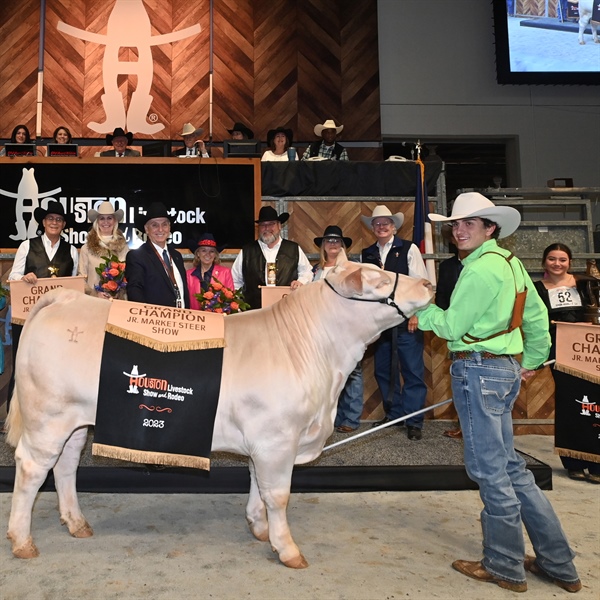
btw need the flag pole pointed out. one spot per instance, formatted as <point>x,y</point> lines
<point>388,424</point>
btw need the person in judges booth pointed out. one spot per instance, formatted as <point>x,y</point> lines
<point>326,147</point>
<point>206,269</point>
<point>495,314</point>
<point>20,135</point>
<point>193,145</point>
<point>240,132</point>
<point>104,239</point>
<point>278,140</point>
<point>119,140</point>
<point>62,135</point>
<point>47,255</point>
<point>155,271</point>
<point>350,401</point>
<point>403,343</point>
<point>560,292</point>
<point>270,255</point>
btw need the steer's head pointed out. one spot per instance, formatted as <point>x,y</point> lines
<point>370,283</point>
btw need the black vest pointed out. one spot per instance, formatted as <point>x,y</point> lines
<point>37,260</point>
<point>254,264</point>
<point>337,149</point>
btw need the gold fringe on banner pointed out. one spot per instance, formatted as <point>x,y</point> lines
<point>576,454</point>
<point>577,373</point>
<point>165,346</point>
<point>151,458</point>
<point>17,321</point>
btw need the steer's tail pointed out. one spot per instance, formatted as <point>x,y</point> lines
<point>14,422</point>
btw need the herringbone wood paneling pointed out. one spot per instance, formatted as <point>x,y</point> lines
<point>536,7</point>
<point>19,28</point>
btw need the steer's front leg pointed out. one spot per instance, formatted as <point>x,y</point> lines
<point>274,477</point>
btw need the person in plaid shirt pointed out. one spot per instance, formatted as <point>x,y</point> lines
<point>326,148</point>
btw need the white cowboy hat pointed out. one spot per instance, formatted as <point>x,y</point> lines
<point>329,124</point>
<point>189,129</point>
<point>106,208</point>
<point>384,211</point>
<point>474,204</point>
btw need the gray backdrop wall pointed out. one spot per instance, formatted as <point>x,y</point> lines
<point>438,78</point>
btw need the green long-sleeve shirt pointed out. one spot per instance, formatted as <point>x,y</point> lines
<point>482,304</point>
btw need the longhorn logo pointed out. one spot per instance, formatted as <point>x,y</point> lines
<point>128,26</point>
<point>27,190</point>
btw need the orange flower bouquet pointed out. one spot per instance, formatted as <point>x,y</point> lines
<point>221,299</point>
<point>112,276</point>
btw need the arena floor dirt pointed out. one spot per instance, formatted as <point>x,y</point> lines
<point>379,545</point>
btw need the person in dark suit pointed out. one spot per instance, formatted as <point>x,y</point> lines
<point>119,140</point>
<point>193,145</point>
<point>155,271</point>
<point>403,343</point>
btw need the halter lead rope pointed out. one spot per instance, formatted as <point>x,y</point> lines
<point>389,300</point>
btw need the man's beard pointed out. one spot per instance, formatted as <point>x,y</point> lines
<point>269,238</point>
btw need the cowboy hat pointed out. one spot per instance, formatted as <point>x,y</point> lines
<point>474,204</point>
<point>189,129</point>
<point>106,208</point>
<point>54,208</point>
<point>206,240</point>
<point>289,134</point>
<point>333,232</point>
<point>157,210</point>
<point>268,213</point>
<point>329,124</point>
<point>384,211</point>
<point>118,132</point>
<point>237,126</point>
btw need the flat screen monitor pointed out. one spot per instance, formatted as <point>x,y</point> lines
<point>157,149</point>
<point>543,47</point>
<point>242,149</point>
<point>64,150</point>
<point>20,149</point>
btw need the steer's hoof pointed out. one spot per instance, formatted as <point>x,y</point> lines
<point>27,550</point>
<point>85,531</point>
<point>298,562</point>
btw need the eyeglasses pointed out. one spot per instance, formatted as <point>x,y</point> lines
<point>334,241</point>
<point>382,224</point>
<point>54,219</point>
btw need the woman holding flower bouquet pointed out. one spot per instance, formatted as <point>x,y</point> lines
<point>102,257</point>
<point>206,270</point>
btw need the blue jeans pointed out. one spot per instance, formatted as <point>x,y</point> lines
<point>411,396</point>
<point>350,402</point>
<point>484,392</point>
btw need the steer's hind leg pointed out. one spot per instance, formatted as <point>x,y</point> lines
<point>256,512</point>
<point>65,473</point>
<point>274,477</point>
<point>32,466</point>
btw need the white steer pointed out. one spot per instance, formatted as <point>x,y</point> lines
<point>283,370</point>
<point>585,15</point>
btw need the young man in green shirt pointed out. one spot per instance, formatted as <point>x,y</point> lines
<point>484,339</point>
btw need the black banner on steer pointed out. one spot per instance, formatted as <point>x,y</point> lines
<point>157,407</point>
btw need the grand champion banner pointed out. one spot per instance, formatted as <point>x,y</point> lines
<point>577,379</point>
<point>159,385</point>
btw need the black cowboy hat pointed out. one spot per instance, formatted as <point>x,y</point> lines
<point>205,240</point>
<point>237,126</point>
<point>333,231</point>
<point>118,132</point>
<point>157,210</point>
<point>268,213</point>
<point>289,134</point>
<point>54,208</point>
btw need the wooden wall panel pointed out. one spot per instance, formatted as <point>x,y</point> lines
<point>293,63</point>
<point>19,25</point>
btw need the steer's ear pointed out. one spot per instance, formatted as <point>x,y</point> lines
<point>352,284</point>
<point>341,258</point>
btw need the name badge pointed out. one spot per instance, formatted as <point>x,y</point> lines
<point>564,297</point>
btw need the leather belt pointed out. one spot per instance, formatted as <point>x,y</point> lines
<point>465,355</point>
